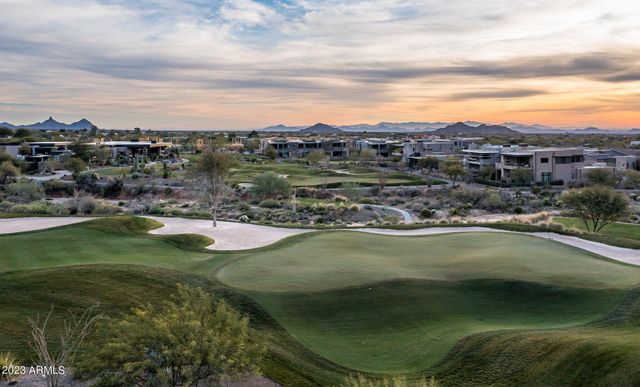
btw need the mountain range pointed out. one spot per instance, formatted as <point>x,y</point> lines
<point>466,127</point>
<point>51,124</point>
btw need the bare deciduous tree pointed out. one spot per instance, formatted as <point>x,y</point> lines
<point>73,332</point>
<point>211,174</point>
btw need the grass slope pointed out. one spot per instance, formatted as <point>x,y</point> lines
<point>332,260</point>
<point>620,234</point>
<point>603,353</point>
<point>120,287</point>
<point>111,240</point>
<point>406,326</point>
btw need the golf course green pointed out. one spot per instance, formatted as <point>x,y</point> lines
<point>335,302</point>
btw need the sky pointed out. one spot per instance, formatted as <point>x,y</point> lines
<point>245,63</point>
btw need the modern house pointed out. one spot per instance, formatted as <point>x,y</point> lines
<point>413,151</point>
<point>545,165</point>
<point>289,148</point>
<point>620,161</point>
<point>383,148</point>
<point>486,156</point>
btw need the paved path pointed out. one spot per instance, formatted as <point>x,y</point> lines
<point>13,225</point>
<point>406,216</point>
<point>241,236</point>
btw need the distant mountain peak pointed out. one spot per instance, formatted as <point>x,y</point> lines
<point>51,124</point>
<point>321,128</point>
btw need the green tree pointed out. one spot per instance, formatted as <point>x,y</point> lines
<point>521,176</point>
<point>632,179</point>
<point>316,157</point>
<point>601,176</point>
<point>82,150</point>
<point>8,171</point>
<point>429,163</point>
<point>597,206</point>
<point>22,133</point>
<point>367,155</point>
<point>453,168</point>
<point>76,165</point>
<point>211,174</point>
<point>270,186</point>
<point>271,152</point>
<point>5,132</point>
<point>190,340</point>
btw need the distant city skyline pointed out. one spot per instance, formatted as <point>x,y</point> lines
<point>241,64</point>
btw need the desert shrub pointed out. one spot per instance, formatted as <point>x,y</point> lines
<point>244,219</point>
<point>39,208</point>
<point>368,201</point>
<point>269,203</point>
<point>56,186</point>
<point>87,181</point>
<point>7,361</point>
<point>339,199</point>
<point>396,381</point>
<point>427,213</point>
<point>24,191</point>
<point>391,219</point>
<point>112,188</point>
<point>354,208</point>
<point>351,191</point>
<point>492,202</point>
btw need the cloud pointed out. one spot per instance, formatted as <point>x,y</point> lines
<point>248,13</point>
<point>497,94</point>
<point>164,59</point>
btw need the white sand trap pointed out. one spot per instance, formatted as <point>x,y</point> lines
<point>13,225</point>
<point>228,235</point>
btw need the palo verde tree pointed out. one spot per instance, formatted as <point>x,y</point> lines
<point>210,178</point>
<point>270,186</point>
<point>596,206</point>
<point>190,340</point>
<point>453,168</point>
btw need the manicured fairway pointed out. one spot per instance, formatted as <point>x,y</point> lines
<point>340,259</point>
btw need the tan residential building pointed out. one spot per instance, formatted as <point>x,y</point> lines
<point>546,165</point>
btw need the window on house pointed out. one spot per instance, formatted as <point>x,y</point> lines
<point>544,160</point>
<point>546,177</point>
